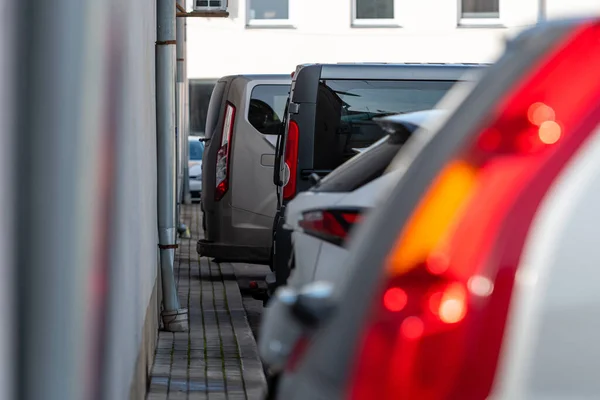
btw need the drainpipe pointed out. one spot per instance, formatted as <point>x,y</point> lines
<point>175,319</point>
<point>182,73</point>
<point>182,147</point>
<point>541,11</point>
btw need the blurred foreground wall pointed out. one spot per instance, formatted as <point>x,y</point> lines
<point>133,311</point>
<point>78,179</point>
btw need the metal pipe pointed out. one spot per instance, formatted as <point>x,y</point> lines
<point>7,221</point>
<point>174,318</point>
<point>181,136</point>
<point>541,10</point>
<point>182,77</point>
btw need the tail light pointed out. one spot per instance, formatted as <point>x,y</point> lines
<point>297,353</point>
<point>329,225</point>
<point>291,160</point>
<point>435,330</point>
<point>223,156</point>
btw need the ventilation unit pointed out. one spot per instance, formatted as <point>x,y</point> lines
<point>210,5</point>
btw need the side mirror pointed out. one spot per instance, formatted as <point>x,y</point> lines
<point>314,304</point>
<point>289,317</point>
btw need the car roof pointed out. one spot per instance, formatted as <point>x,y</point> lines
<point>433,71</point>
<point>258,77</point>
<point>414,118</point>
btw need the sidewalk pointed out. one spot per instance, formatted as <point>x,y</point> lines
<point>217,358</point>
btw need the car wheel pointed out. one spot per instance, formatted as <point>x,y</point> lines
<point>272,383</point>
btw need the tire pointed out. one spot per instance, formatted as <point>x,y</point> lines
<point>272,384</point>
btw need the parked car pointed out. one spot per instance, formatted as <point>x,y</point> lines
<point>478,278</point>
<point>331,111</point>
<point>195,167</point>
<point>321,220</point>
<point>244,118</point>
<point>322,217</point>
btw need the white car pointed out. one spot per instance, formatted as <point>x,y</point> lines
<point>195,167</point>
<point>321,219</point>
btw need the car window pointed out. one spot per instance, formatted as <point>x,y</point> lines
<point>199,98</point>
<point>196,150</point>
<point>361,169</point>
<point>346,108</point>
<point>267,104</point>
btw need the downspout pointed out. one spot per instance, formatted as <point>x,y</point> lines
<point>175,319</point>
<point>183,82</point>
<point>541,11</point>
<point>182,148</point>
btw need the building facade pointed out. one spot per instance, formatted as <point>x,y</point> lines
<point>273,36</point>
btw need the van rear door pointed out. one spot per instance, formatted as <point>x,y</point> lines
<point>254,140</point>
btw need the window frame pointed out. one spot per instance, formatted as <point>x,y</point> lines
<point>493,22</point>
<point>393,22</point>
<point>270,23</point>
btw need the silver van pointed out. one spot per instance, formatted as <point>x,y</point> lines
<point>239,201</point>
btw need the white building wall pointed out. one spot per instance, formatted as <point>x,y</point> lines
<point>323,31</point>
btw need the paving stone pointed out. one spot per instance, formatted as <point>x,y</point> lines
<point>217,359</point>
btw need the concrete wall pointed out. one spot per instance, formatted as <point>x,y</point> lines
<point>133,312</point>
<point>323,31</point>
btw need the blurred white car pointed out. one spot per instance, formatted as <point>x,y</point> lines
<point>321,220</point>
<point>195,167</point>
<point>322,217</point>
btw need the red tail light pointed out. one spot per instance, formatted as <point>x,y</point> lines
<point>223,156</point>
<point>297,353</point>
<point>291,160</point>
<point>435,331</point>
<point>329,225</point>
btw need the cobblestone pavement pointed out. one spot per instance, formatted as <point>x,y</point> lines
<point>217,358</point>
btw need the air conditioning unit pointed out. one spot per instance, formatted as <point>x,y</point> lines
<point>210,5</point>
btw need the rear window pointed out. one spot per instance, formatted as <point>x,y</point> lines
<point>346,108</point>
<point>196,150</point>
<point>199,98</point>
<point>267,105</point>
<point>364,167</point>
<point>214,106</point>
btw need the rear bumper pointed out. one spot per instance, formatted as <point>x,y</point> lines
<point>233,253</point>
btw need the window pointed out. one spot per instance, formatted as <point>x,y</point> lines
<point>346,108</point>
<point>214,107</point>
<point>196,149</point>
<point>374,12</point>
<point>199,97</point>
<point>482,12</point>
<point>267,104</point>
<point>361,169</point>
<point>268,12</point>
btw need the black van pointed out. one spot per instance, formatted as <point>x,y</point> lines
<point>329,116</point>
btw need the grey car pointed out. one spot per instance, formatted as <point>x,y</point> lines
<point>244,117</point>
